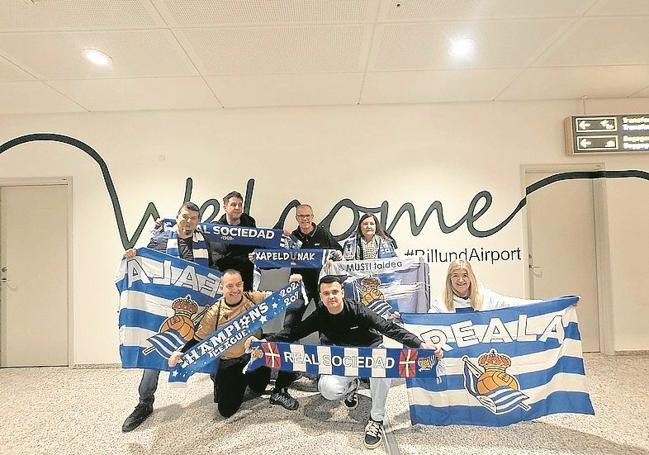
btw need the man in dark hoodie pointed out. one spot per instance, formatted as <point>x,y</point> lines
<point>229,256</point>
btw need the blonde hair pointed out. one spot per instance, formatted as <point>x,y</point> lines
<point>474,289</point>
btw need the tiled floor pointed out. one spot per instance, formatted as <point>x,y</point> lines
<point>80,411</point>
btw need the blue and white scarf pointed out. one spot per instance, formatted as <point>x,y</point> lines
<point>235,331</point>
<point>304,258</point>
<point>236,235</point>
<point>344,361</point>
<point>199,247</point>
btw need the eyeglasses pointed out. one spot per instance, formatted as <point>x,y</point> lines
<point>304,217</point>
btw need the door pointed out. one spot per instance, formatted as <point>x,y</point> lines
<point>34,275</point>
<point>562,248</point>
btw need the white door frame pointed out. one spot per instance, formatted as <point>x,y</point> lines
<point>65,181</point>
<point>602,250</point>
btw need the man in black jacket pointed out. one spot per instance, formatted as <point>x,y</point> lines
<point>348,323</point>
<point>229,256</point>
<point>311,236</point>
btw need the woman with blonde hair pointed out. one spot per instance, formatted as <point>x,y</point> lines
<point>463,293</point>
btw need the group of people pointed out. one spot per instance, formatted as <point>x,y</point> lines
<point>339,320</point>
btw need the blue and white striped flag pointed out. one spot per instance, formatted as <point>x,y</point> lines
<point>386,285</point>
<point>344,361</point>
<point>162,299</point>
<point>502,366</point>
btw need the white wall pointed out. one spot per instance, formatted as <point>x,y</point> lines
<point>371,154</point>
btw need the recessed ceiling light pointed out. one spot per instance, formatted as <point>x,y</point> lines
<point>462,48</point>
<point>97,57</point>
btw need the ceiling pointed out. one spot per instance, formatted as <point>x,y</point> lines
<point>202,54</point>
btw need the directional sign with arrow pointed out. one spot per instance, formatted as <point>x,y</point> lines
<point>628,133</point>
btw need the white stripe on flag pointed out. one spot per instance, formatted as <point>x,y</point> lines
<point>135,336</point>
<point>298,353</point>
<point>145,302</point>
<point>567,382</point>
<point>351,352</point>
<point>324,351</point>
<point>379,353</point>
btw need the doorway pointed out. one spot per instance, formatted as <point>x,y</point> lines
<point>34,284</point>
<point>562,246</point>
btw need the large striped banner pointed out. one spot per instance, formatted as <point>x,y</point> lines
<point>502,366</point>
<point>162,299</point>
<point>344,361</point>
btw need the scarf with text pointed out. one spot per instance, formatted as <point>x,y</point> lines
<point>364,362</point>
<point>235,331</point>
<point>237,235</point>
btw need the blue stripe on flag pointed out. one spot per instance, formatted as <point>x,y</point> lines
<point>556,403</point>
<point>134,357</point>
<point>138,318</point>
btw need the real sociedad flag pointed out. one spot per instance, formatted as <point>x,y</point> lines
<point>344,361</point>
<point>303,258</point>
<point>235,331</point>
<point>237,235</point>
<point>502,366</point>
<point>386,285</point>
<point>162,299</point>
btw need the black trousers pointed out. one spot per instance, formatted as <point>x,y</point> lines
<point>232,383</point>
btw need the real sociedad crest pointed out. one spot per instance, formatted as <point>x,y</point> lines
<point>176,330</point>
<point>491,385</point>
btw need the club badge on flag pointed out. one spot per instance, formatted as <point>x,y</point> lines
<point>162,299</point>
<point>235,331</point>
<point>386,285</point>
<point>502,366</point>
<point>344,361</point>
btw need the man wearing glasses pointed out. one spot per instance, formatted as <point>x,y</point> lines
<point>312,236</point>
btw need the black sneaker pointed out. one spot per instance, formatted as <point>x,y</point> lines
<point>373,434</point>
<point>139,415</point>
<point>282,398</point>
<point>351,401</point>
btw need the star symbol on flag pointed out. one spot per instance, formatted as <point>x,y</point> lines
<point>263,319</point>
<point>275,306</point>
<point>174,373</point>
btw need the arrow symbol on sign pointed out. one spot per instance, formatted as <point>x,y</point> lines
<point>584,124</point>
<point>606,124</point>
<point>584,143</point>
